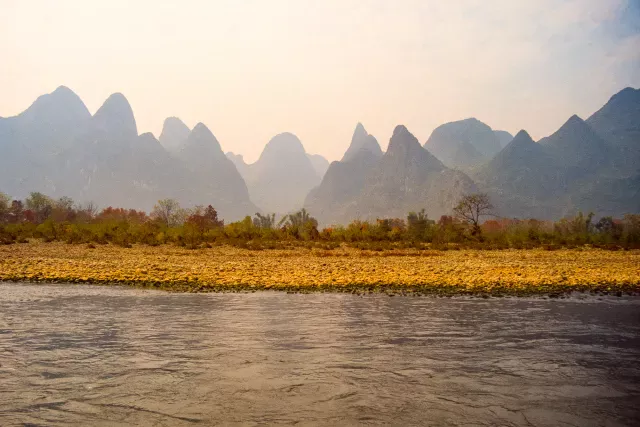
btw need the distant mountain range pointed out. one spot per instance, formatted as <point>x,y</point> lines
<point>588,165</point>
<point>466,143</point>
<point>57,147</point>
<point>283,175</point>
<point>370,184</point>
<point>584,166</point>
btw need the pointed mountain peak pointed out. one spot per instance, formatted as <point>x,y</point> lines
<point>201,131</point>
<point>523,135</point>
<point>202,137</point>
<point>174,133</point>
<point>575,119</point>
<point>402,139</point>
<point>361,140</point>
<point>574,127</point>
<point>201,127</point>
<point>403,146</point>
<point>116,116</point>
<point>521,140</point>
<point>576,144</point>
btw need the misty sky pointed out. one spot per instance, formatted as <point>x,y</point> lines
<point>251,69</point>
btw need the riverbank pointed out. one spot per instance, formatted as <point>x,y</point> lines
<point>224,268</point>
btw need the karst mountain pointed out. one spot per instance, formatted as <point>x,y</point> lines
<point>57,147</point>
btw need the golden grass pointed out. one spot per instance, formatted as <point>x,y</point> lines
<point>227,268</point>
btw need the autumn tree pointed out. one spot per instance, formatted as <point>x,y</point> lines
<point>471,208</point>
<point>120,214</point>
<point>203,219</point>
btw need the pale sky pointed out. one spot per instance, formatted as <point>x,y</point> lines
<point>252,69</point>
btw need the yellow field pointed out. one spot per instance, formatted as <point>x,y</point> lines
<point>351,270</point>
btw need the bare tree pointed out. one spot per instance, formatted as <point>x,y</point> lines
<point>89,208</point>
<point>168,212</point>
<point>471,207</point>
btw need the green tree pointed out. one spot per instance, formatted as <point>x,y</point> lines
<point>297,219</point>
<point>300,225</point>
<point>4,207</point>
<point>267,221</point>
<point>40,205</point>
<point>418,224</point>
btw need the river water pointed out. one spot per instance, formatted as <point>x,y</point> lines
<point>88,355</point>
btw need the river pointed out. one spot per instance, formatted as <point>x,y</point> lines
<point>90,355</point>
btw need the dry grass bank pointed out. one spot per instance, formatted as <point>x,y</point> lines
<point>518,272</point>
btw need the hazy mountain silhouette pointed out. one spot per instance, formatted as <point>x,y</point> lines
<point>344,180</point>
<point>521,177</point>
<point>577,148</point>
<point>239,163</point>
<point>361,140</point>
<point>463,143</point>
<point>504,137</point>
<point>618,123</point>
<point>111,165</point>
<point>283,175</point>
<point>572,170</point>
<point>174,134</point>
<point>320,164</point>
<point>407,177</point>
<point>216,176</point>
<point>58,148</point>
<point>30,141</point>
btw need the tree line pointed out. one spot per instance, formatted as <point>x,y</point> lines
<point>470,224</point>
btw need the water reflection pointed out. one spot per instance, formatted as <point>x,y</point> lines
<point>112,356</point>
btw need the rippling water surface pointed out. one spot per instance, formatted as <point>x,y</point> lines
<point>84,355</point>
